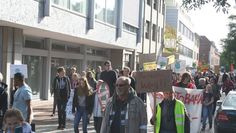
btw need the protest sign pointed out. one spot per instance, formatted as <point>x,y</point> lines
<point>148,66</point>
<point>153,81</point>
<point>179,66</point>
<point>192,98</point>
<point>18,69</point>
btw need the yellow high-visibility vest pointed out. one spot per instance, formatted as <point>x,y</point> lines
<point>179,117</point>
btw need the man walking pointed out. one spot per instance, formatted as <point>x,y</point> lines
<point>61,89</point>
<point>23,97</point>
<point>171,116</point>
<point>109,76</point>
<point>125,112</point>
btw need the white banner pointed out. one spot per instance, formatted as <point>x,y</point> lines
<point>192,98</point>
<point>69,114</point>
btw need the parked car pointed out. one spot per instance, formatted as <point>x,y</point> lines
<point>225,119</point>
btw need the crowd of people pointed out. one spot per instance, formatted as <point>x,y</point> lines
<point>111,98</point>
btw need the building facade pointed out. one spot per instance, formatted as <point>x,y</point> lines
<point>209,53</point>
<point>46,34</point>
<point>153,35</point>
<point>177,18</point>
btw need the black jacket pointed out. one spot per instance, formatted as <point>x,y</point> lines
<point>3,97</point>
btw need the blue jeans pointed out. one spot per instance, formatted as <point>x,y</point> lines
<point>81,113</point>
<point>207,113</point>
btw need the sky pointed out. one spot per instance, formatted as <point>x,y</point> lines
<point>210,23</point>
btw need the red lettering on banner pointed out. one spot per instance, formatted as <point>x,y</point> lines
<point>188,98</point>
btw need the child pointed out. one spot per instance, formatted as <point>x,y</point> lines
<point>14,122</point>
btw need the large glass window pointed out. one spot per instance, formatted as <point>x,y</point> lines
<point>100,9</point>
<point>35,65</point>
<point>63,3</point>
<point>105,10</point>
<point>74,5</point>
<point>78,6</point>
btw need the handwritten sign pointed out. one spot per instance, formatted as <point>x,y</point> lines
<point>153,81</point>
<point>148,66</point>
<point>18,69</point>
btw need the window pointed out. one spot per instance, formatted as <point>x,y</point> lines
<point>34,43</point>
<point>149,2</point>
<point>62,3</point>
<point>155,4</point>
<point>147,30</point>
<point>73,49</point>
<point>58,47</point>
<point>129,28</point>
<point>78,6</point>
<point>127,60</point>
<point>74,5</point>
<point>159,5</point>
<point>154,32</point>
<point>105,10</point>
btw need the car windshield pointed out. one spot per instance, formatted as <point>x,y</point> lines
<point>230,101</point>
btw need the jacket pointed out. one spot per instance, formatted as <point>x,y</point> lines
<point>186,117</point>
<point>3,98</point>
<point>58,95</point>
<point>89,102</point>
<point>137,115</point>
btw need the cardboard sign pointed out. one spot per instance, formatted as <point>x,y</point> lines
<point>18,69</point>
<point>148,66</point>
<point>217,69</point>
<point>154,81</point>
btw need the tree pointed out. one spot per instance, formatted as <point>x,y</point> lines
<point>229,48</point>
<point>220,5</point>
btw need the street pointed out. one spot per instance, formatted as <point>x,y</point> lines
<point>47,124</point>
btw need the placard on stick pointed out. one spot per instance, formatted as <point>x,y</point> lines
<point>154,81</point>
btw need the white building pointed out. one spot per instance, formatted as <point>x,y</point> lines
<point>178,19</point>
<point>46,34</point>
<point>153,35</point>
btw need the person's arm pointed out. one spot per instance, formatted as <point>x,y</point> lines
<point>143,119</point>
<point>5,102</point>
<point>29,111</point>
<point>153,119</point>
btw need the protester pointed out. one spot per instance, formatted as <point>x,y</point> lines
<point>202,83</point>
<point>207,106</point>
<point>72,71</point>
<point>61,89</point>
<point>127,74</point>
<point>100,100</point>
<point>216,92</point>
<point>109,76</point>
<point>82,104</point>
<point>125,112</point>
<point>3,99</point>
<point>23,97</point>
<point>15,123</point>
<point>91,81</point>
<point>98,72</point>
<point>83,74</point>
<point>227,84</point>
<point>170,115</point>
<point>186,82</point>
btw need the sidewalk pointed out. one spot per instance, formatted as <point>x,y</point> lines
<point>44,123</point>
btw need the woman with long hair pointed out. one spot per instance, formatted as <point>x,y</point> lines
<point>82,103</point>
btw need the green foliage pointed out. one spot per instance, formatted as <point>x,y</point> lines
<point>220,5</point>
<point>229,48</point>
